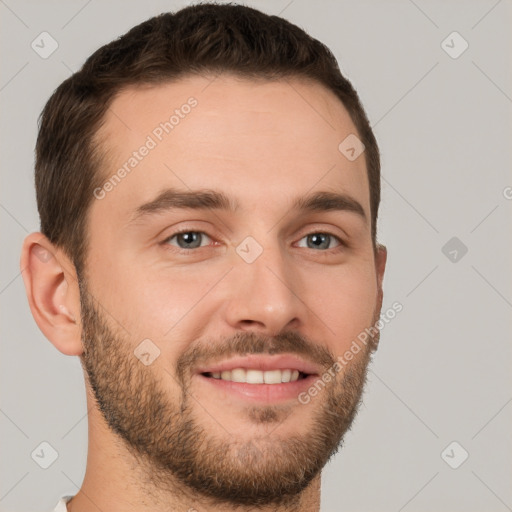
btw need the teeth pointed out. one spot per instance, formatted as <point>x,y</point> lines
<point>237,375</point>
<point>251,376</point>
<point>273,377</point>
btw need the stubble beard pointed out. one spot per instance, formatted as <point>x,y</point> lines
<point>179,452</point>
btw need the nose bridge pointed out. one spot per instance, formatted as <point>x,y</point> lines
<point>262,294</point>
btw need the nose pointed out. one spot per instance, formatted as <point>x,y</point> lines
<point>262,296</point>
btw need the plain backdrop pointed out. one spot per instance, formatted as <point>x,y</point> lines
<point>440,388</point>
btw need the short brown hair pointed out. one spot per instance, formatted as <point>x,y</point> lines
<point>199,39</point>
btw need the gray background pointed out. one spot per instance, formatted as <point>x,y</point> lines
<point>442,372</point>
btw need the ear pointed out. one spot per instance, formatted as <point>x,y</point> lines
<point>52,290</point>
<point>381,256</point>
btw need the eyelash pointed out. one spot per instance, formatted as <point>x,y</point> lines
<point>342,245</point>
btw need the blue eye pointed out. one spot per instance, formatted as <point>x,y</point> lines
<point>187,239</point>
<point>320,241</point>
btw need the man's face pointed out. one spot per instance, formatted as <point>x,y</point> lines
<point>198,345</point>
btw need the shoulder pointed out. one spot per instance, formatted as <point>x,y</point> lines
<point>61,505</point>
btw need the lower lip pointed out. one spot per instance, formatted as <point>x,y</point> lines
<point>261,392</point>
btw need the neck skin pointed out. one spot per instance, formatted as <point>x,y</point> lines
<point>116,481</point>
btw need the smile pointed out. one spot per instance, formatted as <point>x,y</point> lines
<point>251,376</point>
<point>258,377</point>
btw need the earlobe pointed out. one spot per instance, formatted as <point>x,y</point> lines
<point>52,292</point>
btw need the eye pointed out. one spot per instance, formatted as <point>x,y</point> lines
<point>187,239</point>
<point>320,241</point>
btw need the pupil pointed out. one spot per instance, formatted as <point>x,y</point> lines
<point>320,240</point>
<point>190,238</point>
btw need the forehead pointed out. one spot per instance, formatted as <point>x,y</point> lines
<point>254,139</point>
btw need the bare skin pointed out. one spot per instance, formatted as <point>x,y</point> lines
<point>263,144</point>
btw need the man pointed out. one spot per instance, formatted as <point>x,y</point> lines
<point>208,186</point>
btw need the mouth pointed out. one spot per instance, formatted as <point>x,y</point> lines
<point>260,378</point>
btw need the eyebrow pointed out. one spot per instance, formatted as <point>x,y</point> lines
<point>170,199</point>
<point>330,201</point>
<point>205,199</point>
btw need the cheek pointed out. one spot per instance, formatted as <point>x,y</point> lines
<point>159,304</point>
<point>344,301</point>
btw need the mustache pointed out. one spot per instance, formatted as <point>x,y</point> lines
<point>247,343</point>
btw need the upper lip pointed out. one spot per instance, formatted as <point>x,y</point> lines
<point>262,362</point>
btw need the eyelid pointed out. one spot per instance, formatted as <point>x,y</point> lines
<point>326,229</point>
<point>313,231</point>
<point>186,226</point>
<point>186,230</point>
<point>341,242</point>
